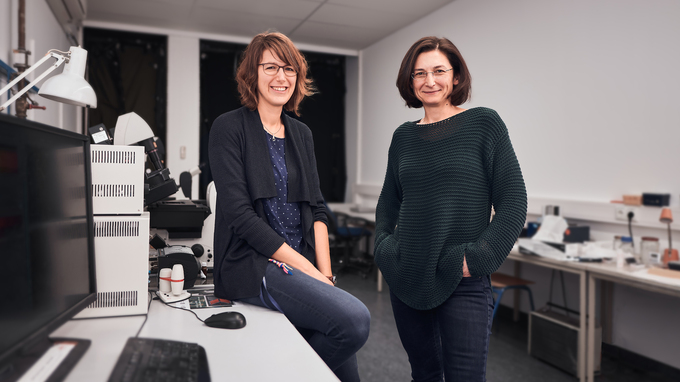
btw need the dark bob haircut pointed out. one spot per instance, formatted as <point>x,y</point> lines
<point>460,93</point>
<point>283,48</point>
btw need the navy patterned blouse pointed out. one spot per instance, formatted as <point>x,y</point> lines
<point>283,217</point>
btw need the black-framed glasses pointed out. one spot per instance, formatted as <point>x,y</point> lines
<point>421,75</point>
<point>271,69</point>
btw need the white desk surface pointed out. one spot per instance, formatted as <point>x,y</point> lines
<point>353,210</point>
<point>638,278</point>
<point>634,277</point>
<point>568,266</point>
<point>108,336</point>
<point>268,348</point>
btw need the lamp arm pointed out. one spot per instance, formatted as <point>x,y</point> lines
<point>60,60</point>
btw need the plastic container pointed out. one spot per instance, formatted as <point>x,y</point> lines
<point>627,245</point>
<point>648,245</point>
<point>625,250</point>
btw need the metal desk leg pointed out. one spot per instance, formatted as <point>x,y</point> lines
<point>516,296</point>
<point>590,377</point>
<point>582,356</point>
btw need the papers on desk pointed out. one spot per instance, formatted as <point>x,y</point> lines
<point>202,296</point>
<point>539,248</point>
<point>552,229</point>
<point>586,252</point>
<point>202,301</point>
<point>598,250</point>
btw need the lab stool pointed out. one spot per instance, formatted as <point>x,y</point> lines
<point>501,282</point>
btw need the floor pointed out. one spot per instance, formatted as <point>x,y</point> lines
<point>383,359</point>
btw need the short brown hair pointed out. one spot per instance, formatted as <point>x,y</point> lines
<point>283,48</point>
<point>460,93</point>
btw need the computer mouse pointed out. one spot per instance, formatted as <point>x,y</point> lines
<point>226,320</point>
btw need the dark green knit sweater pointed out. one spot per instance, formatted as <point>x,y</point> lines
<point>442,180</point>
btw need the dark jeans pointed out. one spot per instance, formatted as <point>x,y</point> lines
<point>334,323</point>
<point>451,340</point>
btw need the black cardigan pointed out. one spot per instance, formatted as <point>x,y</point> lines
<point>243,175</point>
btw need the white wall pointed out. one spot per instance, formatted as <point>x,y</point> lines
<point>42,34</point>
<point>183,134</point>
<point>5,32</point>
<point>586,88</point>
<point>589,92</point>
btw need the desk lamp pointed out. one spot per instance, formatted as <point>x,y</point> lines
<point>69,87</point>
<point>669,254</point>
<point>131,129</point>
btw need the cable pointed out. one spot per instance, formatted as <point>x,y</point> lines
<point>630,228</point>
<point>146,316</point>
<point>188,310</point>
<point>670,242</point>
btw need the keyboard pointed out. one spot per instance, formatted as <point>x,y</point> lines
<point>151,360</point>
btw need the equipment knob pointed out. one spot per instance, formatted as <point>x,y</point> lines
<point>197,249</point>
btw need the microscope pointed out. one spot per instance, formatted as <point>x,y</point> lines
<point>177,226</point>
<point>131,129</point>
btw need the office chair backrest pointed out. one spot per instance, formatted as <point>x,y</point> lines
<point>332,221</point>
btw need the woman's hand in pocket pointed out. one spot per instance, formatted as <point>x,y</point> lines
<point>466,271</point>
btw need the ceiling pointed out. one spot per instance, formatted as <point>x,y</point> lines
<point>348,24</point>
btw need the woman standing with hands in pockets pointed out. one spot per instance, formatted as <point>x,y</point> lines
<point>435,244</point>
<point>271,238</point>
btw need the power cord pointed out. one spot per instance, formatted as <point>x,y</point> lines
<point>188,310</point>
<point>146,316</point>
<point>631,215</point>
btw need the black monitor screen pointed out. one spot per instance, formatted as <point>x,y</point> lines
<point>46,242</point>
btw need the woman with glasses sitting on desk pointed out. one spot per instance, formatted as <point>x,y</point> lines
<point>433,242</point>
<point>271,237</point>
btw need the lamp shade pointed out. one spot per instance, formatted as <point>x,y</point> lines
<point>666,216</point>
<point>70,86</point>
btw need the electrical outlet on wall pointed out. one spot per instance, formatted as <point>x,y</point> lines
<point>621,212</point>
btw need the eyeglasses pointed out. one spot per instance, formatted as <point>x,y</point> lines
<point>271,69</point>
<point>423,75</point>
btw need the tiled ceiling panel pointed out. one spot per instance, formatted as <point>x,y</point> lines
<point>242,24</point>
<point>413,8</point>
<point>349,24</point>
<point>335,35</point>
<point>291,9</point>
<point>332,14</point>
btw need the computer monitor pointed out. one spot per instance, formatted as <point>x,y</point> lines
<point>47,270</point>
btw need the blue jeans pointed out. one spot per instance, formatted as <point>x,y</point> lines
<point>334,323</point>
<point>451,340</point>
